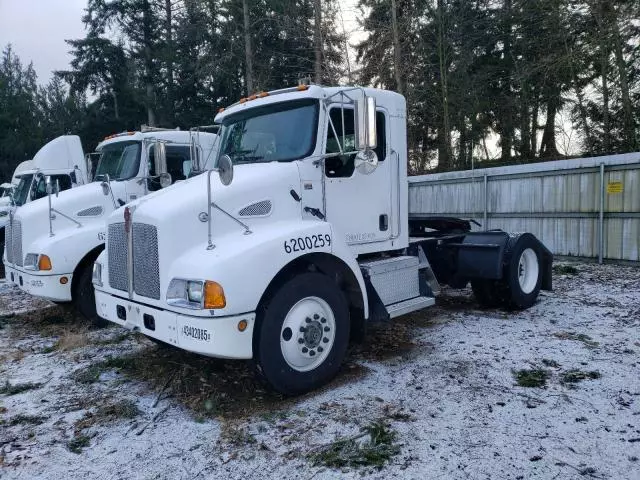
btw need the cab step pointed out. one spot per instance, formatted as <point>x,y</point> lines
<point>408,306</point>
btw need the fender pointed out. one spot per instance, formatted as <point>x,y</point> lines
<point>245,265</point>
<point>69,246</point>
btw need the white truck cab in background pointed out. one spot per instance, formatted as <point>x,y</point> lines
<point>51,245</point>
<point>298,239</point>
<point>62,159</point>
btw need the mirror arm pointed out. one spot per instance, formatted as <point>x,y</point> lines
<point>247,230</point>
<point>336,135</point>
<point>210,245</point>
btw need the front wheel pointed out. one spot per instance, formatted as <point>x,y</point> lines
<point>84,297</point>
<point>302,334</point>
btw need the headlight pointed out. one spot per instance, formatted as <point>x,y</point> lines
<point>4,213</point>
<point>37,262</point>
<point>96,277</point>
<point>195,294</point>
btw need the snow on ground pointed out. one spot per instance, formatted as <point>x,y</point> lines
<point>112,405</point>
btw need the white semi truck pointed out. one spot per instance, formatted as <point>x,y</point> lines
<point>298,239</point>
<point>61,159</point>
<point>51,245</point>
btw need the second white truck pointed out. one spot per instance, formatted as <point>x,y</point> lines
<point>51,245</point>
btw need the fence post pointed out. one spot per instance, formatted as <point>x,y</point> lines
<point>601,218</point>
<point>486,204</point>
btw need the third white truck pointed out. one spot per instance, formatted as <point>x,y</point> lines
<point>298,239</point>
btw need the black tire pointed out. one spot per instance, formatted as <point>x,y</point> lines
<point>84,298</point>
<point>488,293</point>
<point>514,296</point>
<point>268,356</point>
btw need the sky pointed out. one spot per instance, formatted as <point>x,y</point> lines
<point>37,30</point>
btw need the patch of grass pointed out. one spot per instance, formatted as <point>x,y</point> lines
<point>571,377</point>
<point>373,447</point>
<point>77,443</point>
<point>579,337</point>
<point>16,388</point>
<point>68,341</point>
<point>531,378</point>
<point>109,413</point>
<point>564,269</point>
<point>208,387</point>
<point>237,436</point>
<point>121,337</point>
<point>550,363</point>
<point>26,420</point>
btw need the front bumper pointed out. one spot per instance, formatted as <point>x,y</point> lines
<point>211,336</point>
<point>45,286</point>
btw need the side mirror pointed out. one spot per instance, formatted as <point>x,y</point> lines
<point>366,162</point>
<point>160,157</point>
<point>187,168</point>
<point>57,187</point>
<point>365,116</point>
<point>105,188</point>
<point>165,180</point>
<point>225,170</point>
<point>48,185</point>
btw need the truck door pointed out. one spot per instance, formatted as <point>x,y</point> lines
<point>358,205</point>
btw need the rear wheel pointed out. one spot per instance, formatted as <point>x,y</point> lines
<point>84,298</point>
<point>523,277</point>
<point>302,334</point>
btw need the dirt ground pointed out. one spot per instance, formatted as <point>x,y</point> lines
<point>451,392</point>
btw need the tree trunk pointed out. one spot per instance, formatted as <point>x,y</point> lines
<point>525,129</point>
<point>248,50</point>
<point>548,148</point>
<point>534,123</point>
<point>148,62</point>
<point>629,127</point>
<point>317,40</point>
<point>507,107</point>
<point>397,53</point>
<point>444,131</point>
<point>169,59</point>
<point>116,112</point>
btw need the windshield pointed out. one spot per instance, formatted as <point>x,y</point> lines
<point>279,132</point>
<point>22,190</point>
<point>119,160</point>
<point>40,189</point>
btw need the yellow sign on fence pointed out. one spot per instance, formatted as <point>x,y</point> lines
<point>615,187</point>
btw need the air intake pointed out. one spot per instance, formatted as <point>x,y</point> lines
<point>90,212</point>
<point>258,209</point>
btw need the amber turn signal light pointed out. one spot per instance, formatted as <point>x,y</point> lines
<point>214,295</point>
<point>44,263</point>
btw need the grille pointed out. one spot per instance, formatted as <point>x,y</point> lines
<point>90,212</point>
<point>8,244</point>
<point>256,209</point>
<point>146,272</point>
<point>16,243</point>
<point>117,256</point>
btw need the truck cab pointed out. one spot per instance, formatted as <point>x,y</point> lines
<point>51,244</point>
<point>297,240</point>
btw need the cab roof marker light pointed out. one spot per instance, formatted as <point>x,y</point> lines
<point>299,88</point>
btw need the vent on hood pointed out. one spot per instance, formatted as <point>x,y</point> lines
<point>257,209</point>
<point>90,212</point>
